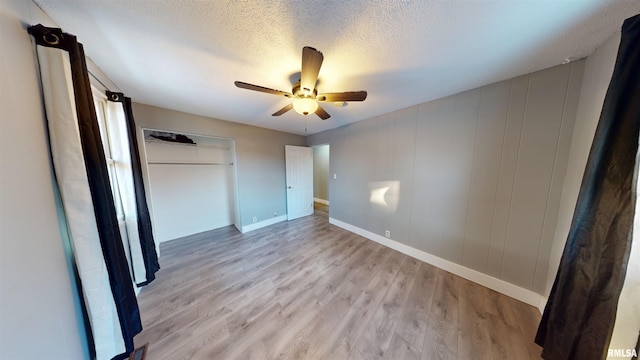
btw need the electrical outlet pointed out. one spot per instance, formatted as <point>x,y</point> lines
<point>335,176</point>
<point>275,213</point>
<point>255,219</point>
<point>387,233</point>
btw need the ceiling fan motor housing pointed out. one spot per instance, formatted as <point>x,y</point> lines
<point>303,93</point>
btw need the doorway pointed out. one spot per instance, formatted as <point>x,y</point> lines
<point>321,175</point>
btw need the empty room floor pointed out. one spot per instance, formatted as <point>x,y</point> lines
<point>306,289</point>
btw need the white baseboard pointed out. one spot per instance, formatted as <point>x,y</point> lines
<point>501,286</point>
<point>321,201</point>
<point>542,303</point>
<point>263,223</point>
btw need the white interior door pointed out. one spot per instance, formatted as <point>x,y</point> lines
<point>299,175</point>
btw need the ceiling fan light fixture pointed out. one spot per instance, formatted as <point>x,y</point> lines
<point>305,105</point>
<point>304,95</point>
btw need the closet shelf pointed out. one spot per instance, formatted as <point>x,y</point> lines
<point>186,163</point>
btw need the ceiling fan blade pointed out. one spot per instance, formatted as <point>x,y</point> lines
<point>283,110</point>
<point>311,62</point>
<point>322,114</point>
<point>244,85</point>
<point>343,96</point>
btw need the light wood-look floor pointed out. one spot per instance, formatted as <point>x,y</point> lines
<point>309,290</point>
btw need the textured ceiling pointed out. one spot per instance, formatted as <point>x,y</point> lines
<point>185,55</point>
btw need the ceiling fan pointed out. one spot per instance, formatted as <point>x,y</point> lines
<point>304,93</point>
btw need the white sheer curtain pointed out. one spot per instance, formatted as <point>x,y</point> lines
<point>118,135</point>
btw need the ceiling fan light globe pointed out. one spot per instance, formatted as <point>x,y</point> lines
<point>305,105</point>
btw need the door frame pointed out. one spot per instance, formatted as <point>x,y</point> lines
<point>233,181</point>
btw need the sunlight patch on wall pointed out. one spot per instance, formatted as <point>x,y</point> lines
<point>384,195</point>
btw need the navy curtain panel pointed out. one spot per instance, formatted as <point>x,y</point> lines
<point>578,319</point>
<point>144,259</point>
<point>82,177</point>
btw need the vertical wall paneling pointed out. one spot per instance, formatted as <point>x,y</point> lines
<point>423,228</point>
<point>518,90</point>
<point>541,125</point>
<point>492,116</point>
<point>356,175</point>
<point>442,186</point>
<point>338,186</point>
<point>459,155</point>
<point>402,169</point>
<point>479,173</point>
<point>558,175</point>
<point>377,146</point>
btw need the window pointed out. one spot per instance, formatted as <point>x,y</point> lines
<point>100,101</point>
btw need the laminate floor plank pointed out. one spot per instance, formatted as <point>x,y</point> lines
<point>190,339</point>
<point>340,274</point>
<point>441,338</point>
<point>527,324</point>
<point>311,339</point>
<point>379,332</point>
<point>370,266</point>
<point>305,289</point>
<point>354,322</point>
<point>246,336</point>
<point>299,313</point>
<point>473,339</point>
<point>400,349</point>
<point>412,326</point>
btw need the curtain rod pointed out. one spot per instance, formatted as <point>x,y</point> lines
<point>98,80</point>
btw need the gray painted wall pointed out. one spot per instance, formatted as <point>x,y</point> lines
<point>321,172</point>
<point>259,155</point>
<point>39,310</point>
<point>474,178</point>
